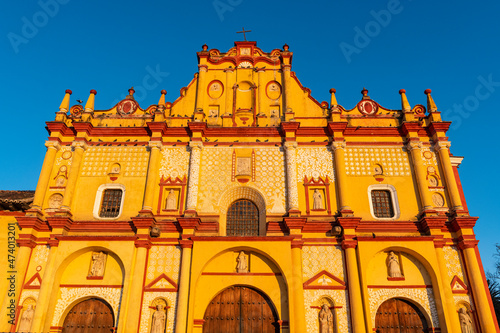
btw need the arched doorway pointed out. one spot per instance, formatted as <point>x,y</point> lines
<point>242,219</point>
<point>240,309</point>
<point>90,316</point>
<point>399,316</point>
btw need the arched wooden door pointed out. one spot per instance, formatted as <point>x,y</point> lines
<point>90,316</point>
<point>399,316</point>
<point>240,309</point>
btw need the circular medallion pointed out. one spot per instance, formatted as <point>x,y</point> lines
<point>315,174</point>
<point>127,106</point>
<point>38,268</point>
<point>273,90</point>
<point>431,169</point>
<point>377,170</point>
<point>55,201</point>
<point>215,89</point>
<point>433,181</point>
<point>427,155</point>
<point>367,107</point>
<point>67,155</point>
<point>63,168</point>
<point>76,110</point>
<point>438,200</point>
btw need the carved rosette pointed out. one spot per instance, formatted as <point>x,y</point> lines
<point>194,174</point>
<point>291,174</point>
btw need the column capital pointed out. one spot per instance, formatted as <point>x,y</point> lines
<point>186,243</point>
<point>412,145</point>
<point>338,145</point>
<point>467,242</point>
<point>349,243</point>
<point>442,145</point>
<point>79,144</point>
<point>202,68</point>
<point>286,67</point>
<point>228,70</point>
<point>429,223</point>
<point>289,145</point>
<point>155,144</point>
<point>196,145</point>
<point>53,144</point>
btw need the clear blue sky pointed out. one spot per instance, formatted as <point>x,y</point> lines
<point>450,47</point>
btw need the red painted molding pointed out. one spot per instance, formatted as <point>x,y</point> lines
<point>186,243</point>
<point>244,274</point>
<point>423,286</point>
<point>150,286</point>
<point>32,222</point>
<point>349,222</point>
<point>91,285</point>
<point>295,223</point>
<point>37,276</point>
<point>456,279</point>
<point>435,127</point>
<point>95,277</point>
<point>60,222</point>
<point>394,226</point>
<point>243,238</point>
<point>462,222</point>
<point>189,223</point>
<point>143,243</point>
<point>157,127</point>
<point>342,286</point>
<point>395,238</point>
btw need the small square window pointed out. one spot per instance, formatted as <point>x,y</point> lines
<point>382,204</point>
<point>111,202</point>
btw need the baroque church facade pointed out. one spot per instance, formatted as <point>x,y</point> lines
<point>246,205</point>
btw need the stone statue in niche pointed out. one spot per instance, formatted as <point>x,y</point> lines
<point>465,321</point>
<point>171,200</point>
<point>242,266</point>
<point>159,319</point>
<point>26,319</point>
<point>325,319</point>
<point>97,264</point>
<point>393,267</point>
<point>318,200</point>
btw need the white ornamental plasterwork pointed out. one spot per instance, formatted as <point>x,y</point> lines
<point>60,160</point>
<point>291,174</point>
<point>174,162</point>
<point>360,161</point>
<point>164,260</point>
<point>194,175</point>
<point>98,160</point>
<point>312,162</point>
<point>270,177</point>
<point>428,156</point>
<point>423,296</point>
<point>41,254</point>
<point>453,262</point>
<point>28,294</point>
<point>69,295</point>
<point>341,300</point>
<point>149,297</point>
<point>318,258</point>
<point>215,178</point>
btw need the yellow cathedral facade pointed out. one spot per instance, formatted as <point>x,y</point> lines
<point>245,205</point>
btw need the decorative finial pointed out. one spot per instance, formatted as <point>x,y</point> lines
<point>405,106</point>
<point>89,106</point>
<point>285,47</point>
<point>333,99</point>
<point>365,93</point>
<point>204,47</point>
<point>431,106</point>
<point>161,102</point>
<point>64,107</point>
<point>131,92</point>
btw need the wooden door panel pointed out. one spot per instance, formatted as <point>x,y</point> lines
<point>240,309</point>
<point>399,316</point>
<point>90,316</point>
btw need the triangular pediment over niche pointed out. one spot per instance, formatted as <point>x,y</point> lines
<point>458,286</point>
<point>324,280</point>
<point>162,283</point>
<point>34,283</point>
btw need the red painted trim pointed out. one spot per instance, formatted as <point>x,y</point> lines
<point>242,239</point>
<point>318,183</point>
<point>307,284</point>
<point>396,226</point>
<point>402,278</point>
<point>460,188</point>
<point>7,213</point>
<point>396,238</point>
<point>33,278</point>
<point>91,285</point>
<point>243,274</point>
<point>421,286</point>
<point>456,279</point>
<point>95,277</point>
<point>97,238</point>
<point>102,226</point>
<point>150,285</point>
